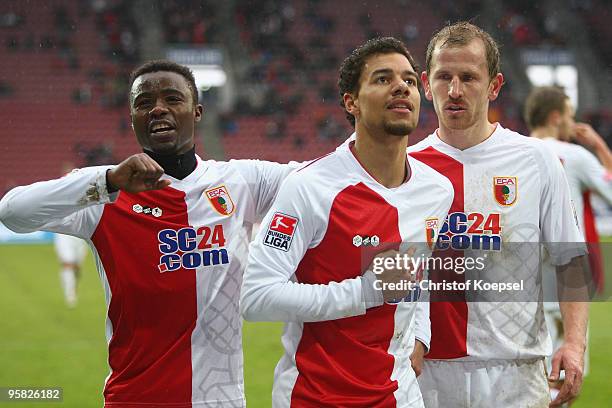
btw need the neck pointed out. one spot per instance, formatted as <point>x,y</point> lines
<point>465,138</point>
<point>178,166</point>
<point>384,157</point>
<point>544,132</point>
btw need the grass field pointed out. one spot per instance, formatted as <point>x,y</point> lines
<point>42,343</point>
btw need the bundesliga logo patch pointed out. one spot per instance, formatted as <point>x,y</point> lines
<point>220,199</point>
<point>280,231</point>
<point>505,190</point>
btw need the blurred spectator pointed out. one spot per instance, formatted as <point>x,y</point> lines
<point>12,43</point>
<point>276,127</point>
<point>5,89</point>
<point>97,155</point>
<point>328,93</point>
<point>411,32</point>
<point>82,94</point>
<point>329,128</point>
<point>11,19</point>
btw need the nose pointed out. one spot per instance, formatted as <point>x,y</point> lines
<point>455,89</point>
<point>158,109</point>
<point>401,88</point>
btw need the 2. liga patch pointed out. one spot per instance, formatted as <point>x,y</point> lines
<point>140,209</point>
<point>280,231</point>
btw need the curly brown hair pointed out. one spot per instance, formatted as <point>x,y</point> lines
<point>352,66</point>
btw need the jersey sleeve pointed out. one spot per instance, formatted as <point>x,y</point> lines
<point>63,205</point>
<point>422,323</point>
<point>558,220</point>
<point>269,290</point>
<point>594,176</point>
<point>263,180</point>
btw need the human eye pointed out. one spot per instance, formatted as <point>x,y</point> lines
<point>382,80</point>
<point>411,81</point>
<point>174,99</point>
<point>142,103</point>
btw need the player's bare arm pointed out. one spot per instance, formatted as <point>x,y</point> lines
<point>570,356</point>
<point>417,356</point>
<point>589,138</point>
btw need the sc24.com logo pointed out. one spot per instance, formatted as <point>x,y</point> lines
<point>191,248</point>
<point>471,231</point>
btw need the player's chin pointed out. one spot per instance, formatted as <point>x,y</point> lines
<point>454,124</point>
<point>400,128</point>
<point>165,147</point>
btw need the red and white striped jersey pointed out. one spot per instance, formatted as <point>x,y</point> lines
<point>509,190</point>
<point>328,222</point>
<point>171,264</point>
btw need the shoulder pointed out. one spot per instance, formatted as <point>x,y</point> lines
<point>323,169</point>
<point>537,148</point>
<point>424,173</point>
<point>423,144</point>
<point>247,169</point>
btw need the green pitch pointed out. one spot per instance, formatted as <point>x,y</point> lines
<point>45,344</point>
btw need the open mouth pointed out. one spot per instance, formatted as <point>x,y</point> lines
<point>160,128</point>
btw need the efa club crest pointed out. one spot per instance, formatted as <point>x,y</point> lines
<point>220,199</point>
<point>431,227</point>
<point>505,190</point>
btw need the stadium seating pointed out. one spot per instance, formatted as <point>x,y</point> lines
<point>63,76</point>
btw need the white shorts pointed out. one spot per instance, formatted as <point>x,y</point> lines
<point>70,249</point>
<point>484,384</point>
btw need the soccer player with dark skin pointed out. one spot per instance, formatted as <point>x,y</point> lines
<point>158,223</point>
<point>164,115</point>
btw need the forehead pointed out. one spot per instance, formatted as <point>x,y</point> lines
<point>393,61</point>
<point>153,82</point>
<point>471,56</point>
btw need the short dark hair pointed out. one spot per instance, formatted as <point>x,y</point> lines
<point>460,34</point>
<point>352,66</point>
<point>170,66</point>
<point>541,102</point>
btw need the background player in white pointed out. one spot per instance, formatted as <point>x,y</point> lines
<point>508,189</point>
<point>549,114</point>
<point>341,211</point>
<point>170,234</point>
<point>70,252</point>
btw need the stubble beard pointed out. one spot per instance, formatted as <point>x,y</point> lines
<point>398,128</point>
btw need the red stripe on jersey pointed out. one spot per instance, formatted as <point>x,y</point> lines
<point>345,362</point>
<point>448,319</point>
<point>592,238</point>
<point>153,314</point>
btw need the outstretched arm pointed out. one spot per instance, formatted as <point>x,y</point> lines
<point>60,205</point>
